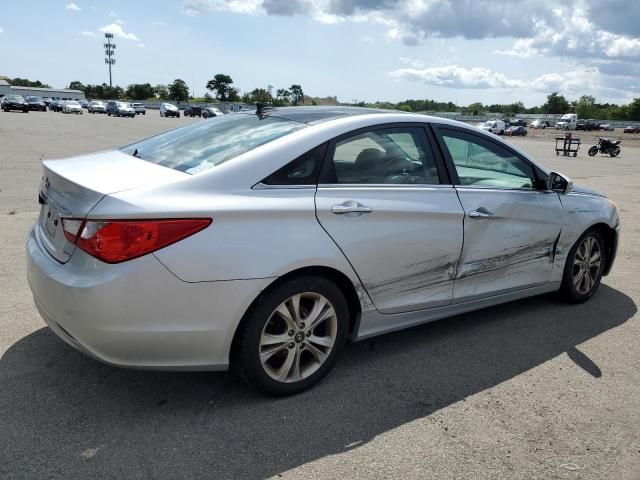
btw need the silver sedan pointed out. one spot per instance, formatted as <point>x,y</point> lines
<point>264,241</point>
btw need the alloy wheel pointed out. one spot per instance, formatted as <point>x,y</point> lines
<point>586,265</point>
<point>298,337</point>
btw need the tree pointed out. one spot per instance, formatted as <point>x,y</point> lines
<point>297,95</point>
<point>556,103</point>
<point>261,95</point>
<point>161,92</point>
<point>222,85</point>
<point>76,85</point>
<point>25,82</point>
<point>633,110</point>
<point>140,91</point>
<point>178,90</point>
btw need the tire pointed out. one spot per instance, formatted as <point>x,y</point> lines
<point>615,152</point>
<point>577,288</point>
<point>593,151</point>
<point>262,323</point>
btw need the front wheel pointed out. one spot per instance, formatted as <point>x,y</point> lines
<point>615,152</point>
<point>593,151</point>
<point>584,267</point>
<point>292,336</point>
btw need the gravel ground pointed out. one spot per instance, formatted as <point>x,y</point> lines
<point>532,389</point>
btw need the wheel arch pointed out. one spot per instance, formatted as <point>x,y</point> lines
<point>336,276</point>
<point>610,242</point>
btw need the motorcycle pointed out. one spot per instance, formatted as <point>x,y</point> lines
<point>606,146</point>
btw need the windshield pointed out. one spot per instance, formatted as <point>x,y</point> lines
<point>15,98</point>
<point>122,104</point>
<point>489,124</point>
<point>96,104</point>
<point>201,146</point>
<point>72,102</point>
<point>34,99</point>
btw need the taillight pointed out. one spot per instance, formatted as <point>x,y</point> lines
<point>115,241</point>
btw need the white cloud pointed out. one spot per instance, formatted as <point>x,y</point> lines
<point>454,76</point>
<point>117,30</point>
<point>1,30</point>
<point>478,78</point>
<point>141,45</point>
<point>198,7</point>
<point>72,7</point>
<point>119,22</point>
<point>86,33</point>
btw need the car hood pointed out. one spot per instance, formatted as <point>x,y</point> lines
<point>582,190</point>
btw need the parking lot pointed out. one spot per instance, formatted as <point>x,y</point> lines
<point>531,389</point>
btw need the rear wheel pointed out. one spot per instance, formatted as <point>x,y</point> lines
<point>584,267</point>
<point>292,336</point>
<point>593,151</point>
<point>615,152</point>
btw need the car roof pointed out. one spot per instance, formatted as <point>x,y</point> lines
<point>318,114</point>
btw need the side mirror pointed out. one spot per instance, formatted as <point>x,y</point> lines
<point>557,182</point>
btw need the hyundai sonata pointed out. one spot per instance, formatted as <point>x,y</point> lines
<point>265,241</point>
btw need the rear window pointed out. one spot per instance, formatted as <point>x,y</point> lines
<point>201,146</point>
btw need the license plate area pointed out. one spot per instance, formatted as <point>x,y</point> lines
<point>50,219</point>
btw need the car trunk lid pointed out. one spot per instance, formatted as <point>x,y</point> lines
<point>72,187</point>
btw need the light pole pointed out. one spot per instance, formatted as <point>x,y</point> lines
<point>109,51</point>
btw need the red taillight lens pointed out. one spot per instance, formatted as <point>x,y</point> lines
<point>115,241</point>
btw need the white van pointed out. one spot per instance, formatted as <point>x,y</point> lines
<point>568,121</point>
<point>493,126</point>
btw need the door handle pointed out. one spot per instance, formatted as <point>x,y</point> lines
<point>480,213</point>
<point>350,207</point>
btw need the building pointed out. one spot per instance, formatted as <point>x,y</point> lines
<point>63,93</point>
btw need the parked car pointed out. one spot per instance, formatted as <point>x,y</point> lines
<point>46,100</point>
<point>84,103</point>
<point>606,126</point>
<point>36,103</point>
<point>209,112</point>
<point>169,110</point>
<point>539,123</point>
<point>96,106</point>
<point>120,109</point>
<point>15,102</point>
<point>494,126</point>
<point>632,129</point>
<point>515,131</point>
<point>72,106</point>
<point>141,263</point>
<point>139,108</point>
<point>192,111</point>
<point>56,105</point>
<point>517,122</point>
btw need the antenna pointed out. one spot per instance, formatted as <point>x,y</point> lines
<point>109,51</point>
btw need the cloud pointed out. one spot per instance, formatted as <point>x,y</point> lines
<point>141,45</point>
<point>199,7</point>
<point>86,33</point>
<point>1,30</point>
<point>119,22</point>
<point>72,7</point>
<point>117,30</point>
<point>479,78</point>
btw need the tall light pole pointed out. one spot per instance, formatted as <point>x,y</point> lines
<point>109,51</point>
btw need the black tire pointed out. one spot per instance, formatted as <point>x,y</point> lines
<point>245,352</point>
<point>568,291</point>
<point>615,152</point>
<point>593,151</point>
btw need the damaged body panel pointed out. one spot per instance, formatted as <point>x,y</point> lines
<point>510,248</point>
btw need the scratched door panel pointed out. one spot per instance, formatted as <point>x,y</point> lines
<point>405,250</point>
<point>511,249</point>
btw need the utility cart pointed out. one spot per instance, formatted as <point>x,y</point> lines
<point>567,145</point>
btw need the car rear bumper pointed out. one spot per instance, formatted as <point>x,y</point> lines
<point>138,314</point>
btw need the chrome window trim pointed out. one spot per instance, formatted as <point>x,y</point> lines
<point>264,186</point>
<point>419,186</point>
<point>498,189</point>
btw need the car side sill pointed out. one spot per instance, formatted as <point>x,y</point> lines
<point>375,323</point>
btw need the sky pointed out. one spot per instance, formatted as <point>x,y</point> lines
<point>461,51</point>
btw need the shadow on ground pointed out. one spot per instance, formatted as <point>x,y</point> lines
<point>67,416</point>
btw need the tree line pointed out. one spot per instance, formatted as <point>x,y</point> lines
<point>220,87</point>
<point>585,107</point>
